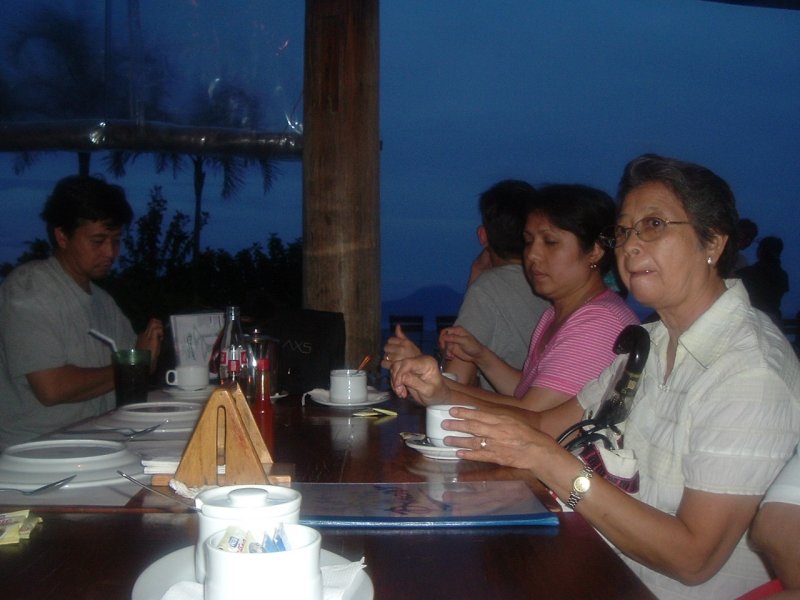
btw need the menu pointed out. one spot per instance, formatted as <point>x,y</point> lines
<point>194,336</point>
<point>429,504</point>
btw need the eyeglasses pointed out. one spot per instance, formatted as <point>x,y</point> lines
<point>648,229</point>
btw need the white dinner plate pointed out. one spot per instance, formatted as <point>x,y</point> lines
<point>178,566</point>
<point>189,395</point>
<point>428,450</point>
<point>173,417</point>
<point>149,412</point>
<point>94,462</point>
<point>323,397</point>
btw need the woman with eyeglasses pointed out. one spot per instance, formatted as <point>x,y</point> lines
<point>718,409</point>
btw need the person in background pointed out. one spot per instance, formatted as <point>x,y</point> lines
<point>746,233</point>
<point>716,416</point>
<point>499,308</point>
<point>52,372</point>
<point>765,280</point>
<point>776,529</point>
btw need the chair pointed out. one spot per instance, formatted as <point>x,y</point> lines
<point>311,344</point>
<point>412,326</point>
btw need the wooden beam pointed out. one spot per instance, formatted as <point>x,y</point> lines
<point>341,208</point>
<point>130,136</point>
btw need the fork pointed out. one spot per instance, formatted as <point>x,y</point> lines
<point>128,432</point>
<point>47,487</point>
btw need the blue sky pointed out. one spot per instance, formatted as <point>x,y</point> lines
<point>569,91</point>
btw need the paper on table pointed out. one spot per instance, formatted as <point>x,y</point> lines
<point>337,579</point>
<point>194,335</point>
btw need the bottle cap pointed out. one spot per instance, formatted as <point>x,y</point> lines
<point>263,364</point>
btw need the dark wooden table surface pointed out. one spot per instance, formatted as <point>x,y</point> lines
<point>76,554</point>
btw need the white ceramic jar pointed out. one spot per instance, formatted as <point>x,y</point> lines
<point>293,573</point>
<point>257,507</point>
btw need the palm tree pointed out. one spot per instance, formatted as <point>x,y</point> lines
<point>66,75</point>
<point>230,107</point>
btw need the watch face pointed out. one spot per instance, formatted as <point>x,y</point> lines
<point>581,484</point>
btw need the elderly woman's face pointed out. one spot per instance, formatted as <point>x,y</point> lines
<point>671,272</point>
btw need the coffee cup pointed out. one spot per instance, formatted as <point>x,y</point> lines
<point>434,415</point>
<point>348,386</point>
<point>253,506</point>
<point>292,573</point>
<point>188,377</point>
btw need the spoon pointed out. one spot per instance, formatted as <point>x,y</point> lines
<point>155,491</point>
<point>128,432</point>
<point>49,486</point>
<point>364,362</point>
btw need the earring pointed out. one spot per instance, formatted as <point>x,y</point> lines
<point>709,261</point>
<point>593,266</point>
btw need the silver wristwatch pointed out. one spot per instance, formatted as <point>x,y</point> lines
<point>580,485</point>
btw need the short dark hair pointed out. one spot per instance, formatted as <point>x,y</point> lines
<point>582,210</point>
<point>705,196</point>
<point>80,199</point>
<point>769,249</point>
<point>504,207</point>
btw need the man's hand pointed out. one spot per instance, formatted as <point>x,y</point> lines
<point>150,339</point>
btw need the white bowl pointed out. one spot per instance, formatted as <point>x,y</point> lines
<point>293,573</point>
<point>248,506</point>
<point>95,462</point>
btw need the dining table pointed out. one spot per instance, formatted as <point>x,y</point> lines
<point>97,552</point>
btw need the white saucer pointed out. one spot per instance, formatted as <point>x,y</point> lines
<point>428,450</point>
<point>178,566</point>
<point>279,395</point>
<point>323,397</point>
<point>180,394</point>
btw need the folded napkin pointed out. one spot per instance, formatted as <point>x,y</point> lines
<point>184,590</point>
<point>336,580</point>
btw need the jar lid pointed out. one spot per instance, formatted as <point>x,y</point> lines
<point>224,501</point>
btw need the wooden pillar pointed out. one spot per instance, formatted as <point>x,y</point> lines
<point>341,147</point>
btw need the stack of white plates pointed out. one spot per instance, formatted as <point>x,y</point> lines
<point>93,462</point>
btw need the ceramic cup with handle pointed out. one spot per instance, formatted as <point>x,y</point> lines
<point>188,377</point>
<point>434,415</point>
<point>247,506</point>
<point>348,386</point>
<point>292,573</point>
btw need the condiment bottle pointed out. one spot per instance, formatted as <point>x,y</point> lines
<point>233,355</point>
<point>262,407</point>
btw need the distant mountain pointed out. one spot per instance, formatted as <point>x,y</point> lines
<point>428,301</point>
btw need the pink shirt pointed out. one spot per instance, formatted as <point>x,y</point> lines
<point>582,347</point>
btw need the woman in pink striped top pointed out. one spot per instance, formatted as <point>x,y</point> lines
<point>573,342</point>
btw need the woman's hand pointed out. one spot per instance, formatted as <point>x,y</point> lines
<point>150,339</point>
<point>398,347</point>
<point>502,436</point>
<point>421,379</point>
<point>457,342</point>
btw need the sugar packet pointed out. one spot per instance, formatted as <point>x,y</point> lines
<point>10,524</point>
<point>236,539</point>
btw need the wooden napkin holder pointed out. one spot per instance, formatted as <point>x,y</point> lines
<point>226,434</point>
